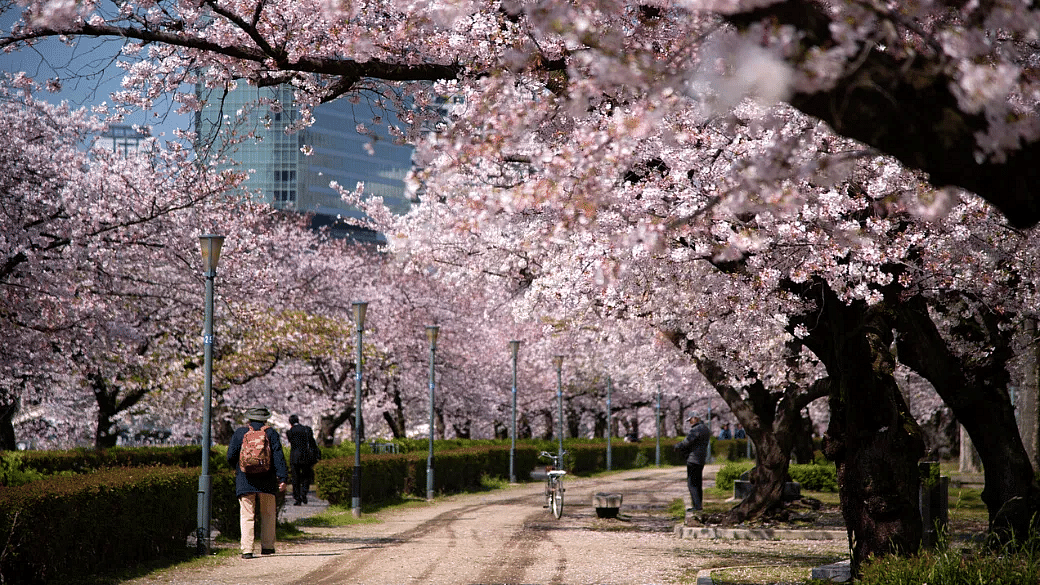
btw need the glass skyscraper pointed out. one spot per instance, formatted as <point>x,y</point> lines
<point>284,175</point>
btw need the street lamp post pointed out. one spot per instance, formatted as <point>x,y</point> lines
<point>657,415</point>
<point>211,245</point>
<point>431,336</point>
<point>514,348</point>
<point>711,433</point>
<point>558,362</point>
<point>610,427</point>
<point>360,308</point>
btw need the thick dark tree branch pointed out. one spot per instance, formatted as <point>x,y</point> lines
<point>904,106</point>
<point>344,68</point>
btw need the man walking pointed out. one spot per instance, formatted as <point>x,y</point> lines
<point>303,454</point>
<point>695,447</point>
<point>256,486</point>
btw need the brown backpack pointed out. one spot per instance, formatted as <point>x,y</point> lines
<point>255,456</point>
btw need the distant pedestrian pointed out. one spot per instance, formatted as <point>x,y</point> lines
<point>303,454</point>
<point>724,433</point>
<point>739,433</point>
<point>695,448</point>
<point>257,485</point>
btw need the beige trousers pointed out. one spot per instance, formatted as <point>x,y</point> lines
<point>247,517</point>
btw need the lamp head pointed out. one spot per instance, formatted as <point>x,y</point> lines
<point>211,245</point>
<point>431,335</point>
<point>558,361</point>
<point>360,307</point>
<point>514,347</point>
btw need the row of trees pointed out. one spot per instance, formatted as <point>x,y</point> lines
<point>595,171</point>
<point>102,309</point>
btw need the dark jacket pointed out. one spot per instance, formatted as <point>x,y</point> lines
<point>267,482</point>
<point>695,445</point>
<point>303,449</point>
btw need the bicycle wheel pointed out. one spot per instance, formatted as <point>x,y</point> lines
<point>556,503</point>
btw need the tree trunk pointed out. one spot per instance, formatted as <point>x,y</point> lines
<point>803,443</point>
<point>393,424</point>
<point>679,420</point>
<point>572,420</point>
<point>969,461</point>
<point>550,429</point>
<point>599,425</point>
<point>110,404</point>
<point>395,418</point>
<point>770,420</point>
<point>438,424</point>
<point>8,410</point>
<point>500,429</point>
<point>462,431</point>
<point>976,390</point>
<point>1029,393</point>
<point>632,428</point>
<point>523,427</point>
<point>328,424</point>
<point>872,437</point>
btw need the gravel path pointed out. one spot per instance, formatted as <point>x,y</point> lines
<point>506,536</point>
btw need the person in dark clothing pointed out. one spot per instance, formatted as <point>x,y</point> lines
<point>724,433</point>
<point>695,447</point>
<point>258,490</point>
<point>303,454</point>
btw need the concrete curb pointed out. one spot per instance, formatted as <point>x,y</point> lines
<point>708,532</point>
<point>704,577</point>
<point>840,572</point>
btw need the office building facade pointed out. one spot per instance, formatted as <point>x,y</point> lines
<point>293,170</point>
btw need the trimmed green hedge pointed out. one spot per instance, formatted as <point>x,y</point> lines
<point>815,477</point>
<point>391,476</point>
<point>19,467</point>
<point>79,525</point>
<point>387,477</point>
<point>75,521</point>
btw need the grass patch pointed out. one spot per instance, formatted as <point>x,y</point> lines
<point>1011,565</point>
<point>337,516</point>
<point>489,483</point>
<point>677,509</point>
<point>156,568</point>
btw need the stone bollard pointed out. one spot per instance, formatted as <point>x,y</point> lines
<point>607,505</point>
<point>934,501</point>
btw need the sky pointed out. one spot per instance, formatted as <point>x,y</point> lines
<point>88,75</point>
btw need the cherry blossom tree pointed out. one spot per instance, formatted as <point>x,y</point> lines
<point>593,137</point>
<point>91,279</point>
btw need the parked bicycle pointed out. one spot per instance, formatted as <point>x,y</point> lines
<point>554,482</point>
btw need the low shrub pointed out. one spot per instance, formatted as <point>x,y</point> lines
<point>13,472</point>
<point>729,449</point>
<point>79,525</point>
<point>731,472</point>
<point>815,477</point>
<point>19,467</point>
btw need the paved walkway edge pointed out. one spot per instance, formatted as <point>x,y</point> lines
<point>840,572</point>
<point>708,532</point>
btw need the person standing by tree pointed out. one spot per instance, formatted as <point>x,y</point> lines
<point>695,447</point>
<point>260,473</point>
<point>724,433</point>
<point>303,454</point>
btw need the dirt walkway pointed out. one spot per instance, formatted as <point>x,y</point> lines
<point>506,536</point>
